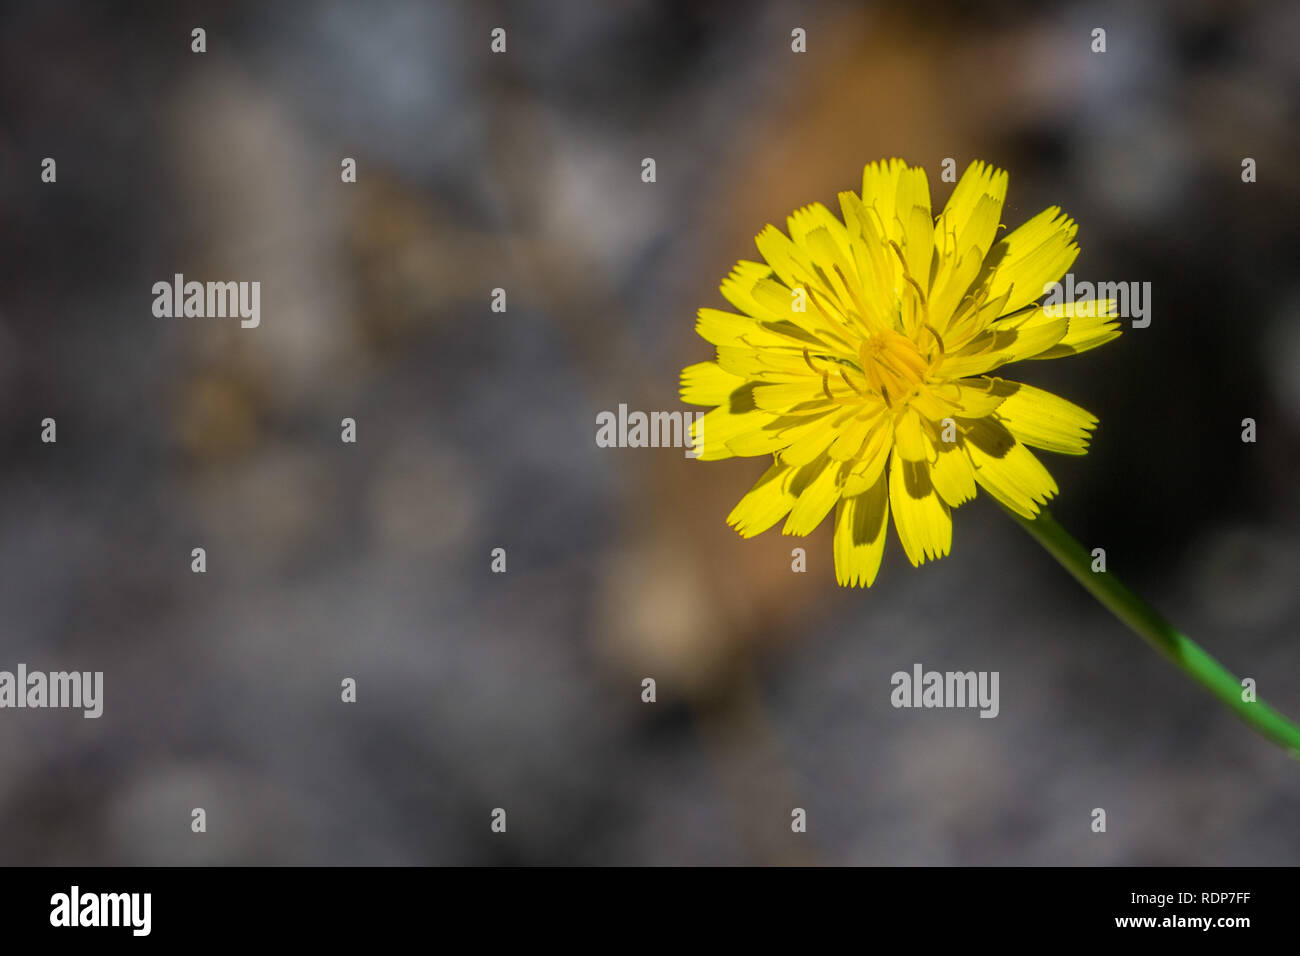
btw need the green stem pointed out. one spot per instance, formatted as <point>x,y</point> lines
<point>1159,633</point>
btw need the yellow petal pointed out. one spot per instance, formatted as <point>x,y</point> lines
<point>787,260</point>
<point>918,226</point>
<point>773,436</point>
<point>849,442</point>
<point>928,402</point>
<point>711,433</point>
<point>736,287</point>
<point>1092,322</point>
<point>978,397</point>
<point>802,223</point>
<point>880,194</point>
<point>871,459</point>
<point>705,383</point>
<point>727,328</point>
<point>975,238</point>
<point>1035,255</point>
<point>875,261</point>
<point>835,268</point>
<point>1045,420</point>
<point>773,299</point>
<point>952,474</point>
<point>768,365</point>
<point>776,305</point>
<point>778,397</point>
<point>1005,468</point>
<point>910,438</point>
<point>817,499</point>
<point>923,520</point>
<point>813,440</point>
<point>1002,344</point>
<point>766,503</point>
<point>964,224</point>
<point>860,535</point>
<point>951,284</point>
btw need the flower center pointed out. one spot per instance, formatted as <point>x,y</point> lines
<point>892,364</point>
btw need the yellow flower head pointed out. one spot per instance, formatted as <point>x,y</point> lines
<point>860,358</point>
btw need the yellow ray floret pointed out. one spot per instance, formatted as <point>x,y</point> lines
<point>859,359</point>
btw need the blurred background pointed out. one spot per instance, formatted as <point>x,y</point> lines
<point>476,431</point>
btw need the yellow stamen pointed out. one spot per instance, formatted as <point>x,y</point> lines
<point>891,363</point>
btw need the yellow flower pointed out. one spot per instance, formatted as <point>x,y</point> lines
<point>860,358</point>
